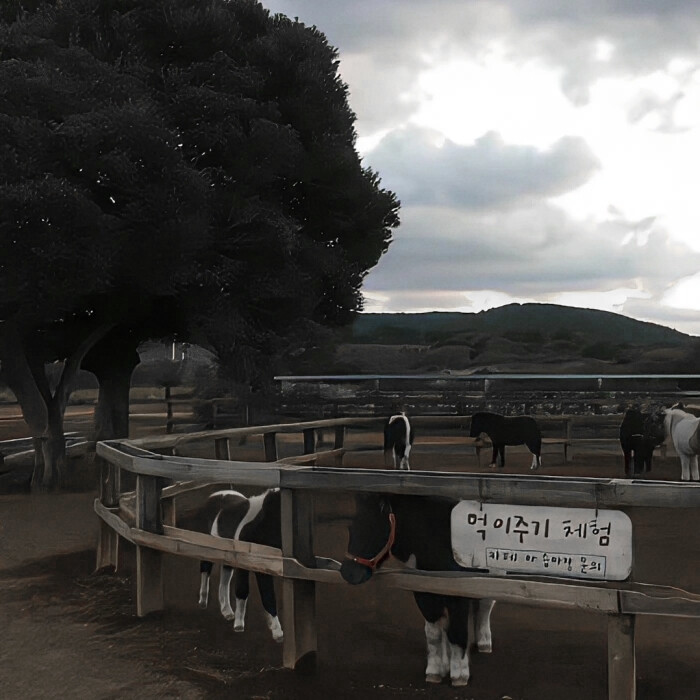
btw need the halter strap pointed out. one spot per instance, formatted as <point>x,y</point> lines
<point>383,554</point>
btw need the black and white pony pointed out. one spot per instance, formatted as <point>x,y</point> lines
<point>640,433</point>
<point>503,430</point>
<point>398,440</point>
<point>684,430</point>
<point>416,531</point>
<point>255,519</point>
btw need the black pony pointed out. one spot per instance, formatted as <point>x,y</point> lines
<point>398,440</point>
<point>416,530</point>
<point>640,433</point>
<point>502,431</point>
<point>256,519</point>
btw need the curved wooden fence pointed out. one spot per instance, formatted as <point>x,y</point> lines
<point>146,517</point>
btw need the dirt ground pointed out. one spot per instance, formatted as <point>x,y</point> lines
<point>67,632</point>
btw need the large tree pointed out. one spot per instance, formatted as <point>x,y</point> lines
<point>171,167</point>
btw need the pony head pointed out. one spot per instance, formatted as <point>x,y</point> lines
<point>654,426</point>
<point>371,536</point>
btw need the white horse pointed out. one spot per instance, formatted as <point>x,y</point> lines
<point>684,430</point>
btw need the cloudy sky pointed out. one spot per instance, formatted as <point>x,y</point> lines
<point>542,150</point>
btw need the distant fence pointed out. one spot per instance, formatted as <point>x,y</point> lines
<point>147,518</point>
<point>325,396</point>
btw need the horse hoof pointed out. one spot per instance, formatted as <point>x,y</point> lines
<point>433,678</point>
<point>460,682</point>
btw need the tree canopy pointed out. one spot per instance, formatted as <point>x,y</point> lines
<point>176,167</point>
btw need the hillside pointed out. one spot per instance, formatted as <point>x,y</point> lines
<point>516,337</point>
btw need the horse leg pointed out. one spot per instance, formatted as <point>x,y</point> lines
<point>494,455</point>
<point>242,588</point>
<point>628,462</point>
<point>535,446</point>
<point>502,456</point>
<point>225,592</point>
<point>433,610</point>
<point>685,467</point>
<point>482,613</point>
<point>694,473</point>
<point>205,568</point>
<point>404,459</point>
<point>266,586</point>
<point>457,636</point>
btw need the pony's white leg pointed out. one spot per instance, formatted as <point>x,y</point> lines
<point>239,617</point>
<point>437,666</point>
<point>404,460</point>
<point>225,593</point>
<point>685,467</point>
<point>273,624</point>
<point>536,462</point>
<point>203,589</point>
<point>459,665</point>
<point>483,625</point>
<point>694,473</point>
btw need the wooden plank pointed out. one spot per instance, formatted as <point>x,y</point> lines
<point>622,681</point>
<point>655,600</point>
<point>500,488</point>
<point>107,549</point>
<point>149,566</point>
<point>299,596</point>
<point>537,593</point>
<point>108,539</point>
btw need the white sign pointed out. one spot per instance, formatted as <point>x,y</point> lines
<point>576,542</point>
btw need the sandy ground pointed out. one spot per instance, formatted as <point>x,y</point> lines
<point>67,632</point>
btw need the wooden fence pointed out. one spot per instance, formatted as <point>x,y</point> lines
<point>146,518</point>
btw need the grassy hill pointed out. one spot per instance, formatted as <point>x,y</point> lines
<point>516,337</point>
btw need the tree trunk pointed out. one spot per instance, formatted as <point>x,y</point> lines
<point>112,361</point>
<point>51,469</point>
<point>43,410</point>
<point>112,410</point>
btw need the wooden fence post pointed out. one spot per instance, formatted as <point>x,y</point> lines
<point>149,562</point>
<point>270,444</point>
<point>298,596</point>
<point>168,411</point>
<point>222,449</point>
<point>338,443</point>
<point>622,682</point>
<point>110,490</point>
<point>309,441</point>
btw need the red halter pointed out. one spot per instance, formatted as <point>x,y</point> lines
<point>383,554</point>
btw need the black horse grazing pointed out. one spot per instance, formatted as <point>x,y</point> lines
<point>640,433</point>
<point>416,530</point>
<point>398,440</point>
<point>502,431</point>
<point>255,519</point>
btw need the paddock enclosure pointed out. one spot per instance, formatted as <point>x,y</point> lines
<point>149,485</point>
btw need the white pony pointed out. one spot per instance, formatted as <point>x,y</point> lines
<point>684,430</point>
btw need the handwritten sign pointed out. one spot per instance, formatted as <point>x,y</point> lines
<point>575,542</point>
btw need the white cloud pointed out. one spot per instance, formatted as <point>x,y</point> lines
<point>542,150</point>
<point>425,169</point>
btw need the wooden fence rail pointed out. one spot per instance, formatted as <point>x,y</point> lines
<point>146,518</point>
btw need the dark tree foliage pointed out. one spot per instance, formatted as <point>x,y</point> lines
<point>173,167</point>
